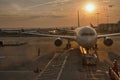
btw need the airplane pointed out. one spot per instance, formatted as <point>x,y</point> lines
<point>61,31</point>
<point>85,36</point>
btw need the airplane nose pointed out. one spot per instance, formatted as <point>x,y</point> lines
<point>90,42</point>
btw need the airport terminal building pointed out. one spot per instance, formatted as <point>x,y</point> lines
<point>110,27</point>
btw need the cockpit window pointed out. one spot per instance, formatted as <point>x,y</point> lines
<point>87,34</point>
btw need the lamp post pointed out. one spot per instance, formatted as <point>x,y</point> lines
<point>97,18</point>
<point>78,19</point>
<point>108,11</point>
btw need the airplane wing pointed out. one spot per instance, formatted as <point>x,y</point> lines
<point>108,35</point>
<point>49,35</point>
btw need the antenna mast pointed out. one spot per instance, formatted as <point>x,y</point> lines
<point>78,19</point>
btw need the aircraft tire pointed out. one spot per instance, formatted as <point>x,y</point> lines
<point>68,46</point>
<point>1,44</point>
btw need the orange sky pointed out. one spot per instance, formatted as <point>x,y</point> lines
<point>55,13</point>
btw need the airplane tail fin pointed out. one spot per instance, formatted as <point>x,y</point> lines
<point>91,25</point>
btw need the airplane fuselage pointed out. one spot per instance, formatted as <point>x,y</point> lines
<point>86,37</point>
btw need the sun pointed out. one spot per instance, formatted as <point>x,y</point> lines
<point>90,7</point>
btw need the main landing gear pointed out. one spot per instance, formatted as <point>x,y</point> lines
<point>68,45</point>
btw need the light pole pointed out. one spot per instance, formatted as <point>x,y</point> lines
<point>97,18</point>
<point>109,6</point>
<point>108,13</point>
<point>78,19</point>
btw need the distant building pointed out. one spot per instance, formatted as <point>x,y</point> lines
<point>110,27</point>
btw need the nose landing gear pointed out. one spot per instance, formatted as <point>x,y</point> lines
<point>95,48</point>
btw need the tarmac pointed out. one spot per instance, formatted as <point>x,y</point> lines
<point>19,62</point>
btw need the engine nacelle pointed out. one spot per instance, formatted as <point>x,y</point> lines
<point>58,42</point>
<point>108,41</point>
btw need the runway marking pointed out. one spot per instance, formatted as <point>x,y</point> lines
<point>46,66</point>
<point>63,65</point>
<point>54,68</point>
<point>92,74</point>
<point>99,70</point>
<point>2,57</point>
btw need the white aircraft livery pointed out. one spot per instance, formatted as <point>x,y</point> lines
<point>85,36</point>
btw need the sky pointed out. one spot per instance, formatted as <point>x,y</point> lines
<point>55,13</point>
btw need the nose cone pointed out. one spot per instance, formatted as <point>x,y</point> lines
<point>86,37</point>
<point>88,42</point>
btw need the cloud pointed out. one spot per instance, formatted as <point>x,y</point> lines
<point>45,16</point>
<point>106,1</point>
<point>11,8</point>
<point>29,17</point>
<point>47,3</point>
<point>31,6</point>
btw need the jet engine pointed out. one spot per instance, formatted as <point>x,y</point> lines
<point>108,41</point>
<point>58,42</point>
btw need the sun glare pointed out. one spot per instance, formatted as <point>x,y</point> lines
<point>90,7</point>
